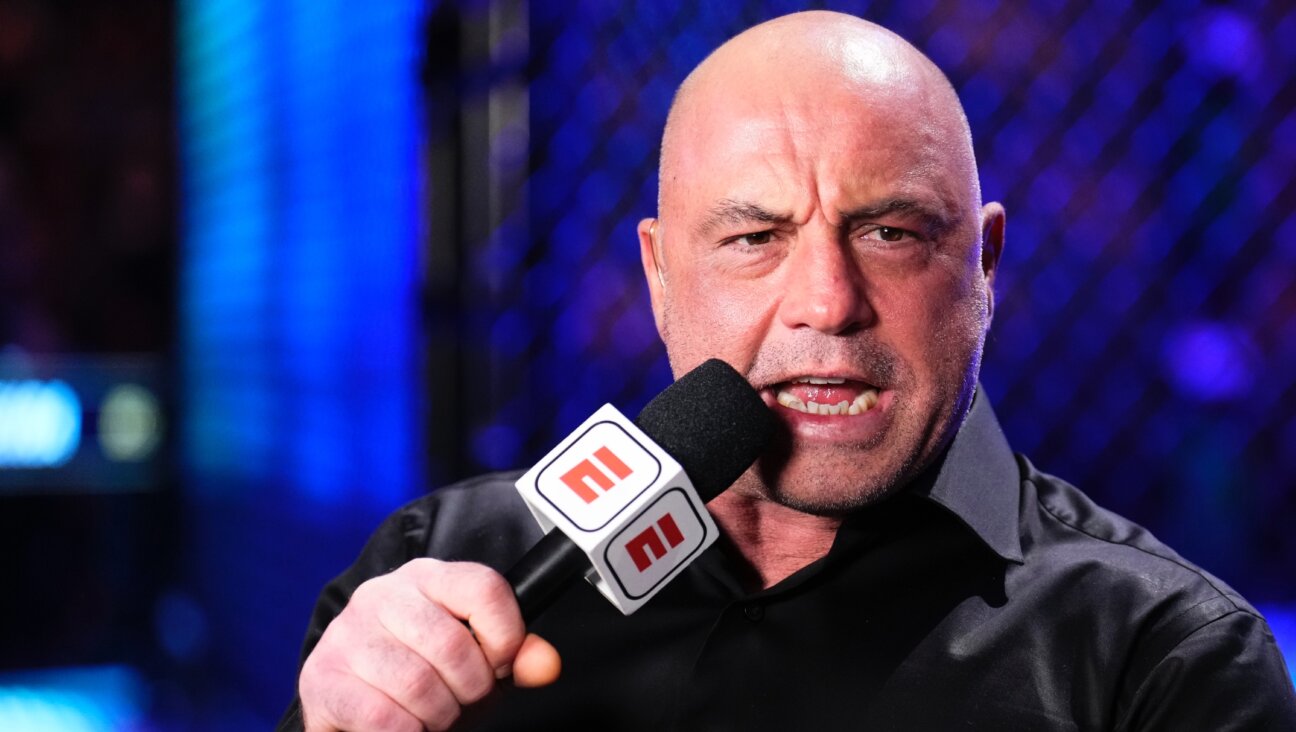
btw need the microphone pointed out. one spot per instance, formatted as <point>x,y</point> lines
<point>624,502</point>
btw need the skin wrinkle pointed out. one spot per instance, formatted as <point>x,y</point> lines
<point>818,128</point>
<point>937,219</point>
<point>729,211</point>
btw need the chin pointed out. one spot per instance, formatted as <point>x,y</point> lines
<point>833,487</point>
<point>838,500</point>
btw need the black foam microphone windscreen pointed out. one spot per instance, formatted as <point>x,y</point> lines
<point>712,422</point>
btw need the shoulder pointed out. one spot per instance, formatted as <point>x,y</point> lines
<point>1070,528</point>
<point>1114,575</point>
<point>1187,650</point>
<point>1168,628</point>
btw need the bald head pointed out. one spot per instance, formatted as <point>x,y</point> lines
<point>840,64</point>
<point>820,222</point>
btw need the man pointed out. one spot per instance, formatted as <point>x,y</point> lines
<point>888,564</point>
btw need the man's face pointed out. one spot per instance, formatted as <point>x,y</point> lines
<point>828,246</point>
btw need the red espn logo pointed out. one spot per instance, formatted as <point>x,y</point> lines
<point>585,476</point>
<point>597,473</point>
<point>649,541</point>
<point>655,545</point>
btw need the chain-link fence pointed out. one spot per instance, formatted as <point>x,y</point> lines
<point>1143,340</point>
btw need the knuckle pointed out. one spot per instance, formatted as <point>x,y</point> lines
<point>477,687</point>
<point>331,701</point>
<point>415,683</point>
<point>420,566</point>
<point>309,682</point>
<point>489,579</point>
<point>426,571</point>
<point>477,577</point>
<point>452,648</point>
<point>338,641</point>
<point>474,583</point>
<point>317,671</point>
<point>384,716</point>
<point>438,706</point>
<point>492,585</point>
<point>489,574</point>
<point>364,594</point>
<point>458,657</point>
<point>444,719</point>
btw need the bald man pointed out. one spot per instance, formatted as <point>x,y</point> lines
<point>888,563</point>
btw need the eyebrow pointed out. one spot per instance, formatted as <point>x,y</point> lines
<point>934,218</point>
<point>728,212</point>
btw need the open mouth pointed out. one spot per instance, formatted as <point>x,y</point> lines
<point>827,395</point>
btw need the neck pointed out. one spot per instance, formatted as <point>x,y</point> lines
<point>776,540</point>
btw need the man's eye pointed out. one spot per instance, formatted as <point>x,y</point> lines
<point>885,233</point>
<point>756,239</point>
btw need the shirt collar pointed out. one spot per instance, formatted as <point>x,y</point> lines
<point>979,481</point>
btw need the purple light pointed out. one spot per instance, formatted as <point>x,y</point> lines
<point>1209,362</point>
<point>1223,41</point>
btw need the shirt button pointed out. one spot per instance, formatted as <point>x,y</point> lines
<point>754,612</point>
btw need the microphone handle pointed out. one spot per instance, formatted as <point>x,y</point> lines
<point>542,573</point>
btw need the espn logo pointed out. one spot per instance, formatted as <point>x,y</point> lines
<point>597,475</point>
<point>657,543</point>
<point>586,475</point>
<point>649,541</point>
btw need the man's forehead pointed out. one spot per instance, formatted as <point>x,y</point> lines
<point>812,90</point>
<point>843,150</point>
<point>798,124</point>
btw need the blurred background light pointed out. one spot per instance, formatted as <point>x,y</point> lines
<point>130,423</point>
<point>40,423</point>
<point>1210,362</point>
<point>81,424</point>
<point>298,361</point>
<point>96,699</point>
<point>1282,620</point>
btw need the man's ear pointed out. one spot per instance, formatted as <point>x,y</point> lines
<point>993,222</point>
<point>650,253</point>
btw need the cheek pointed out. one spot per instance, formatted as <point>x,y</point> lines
<point>940,316</point>
<point>705,317</point>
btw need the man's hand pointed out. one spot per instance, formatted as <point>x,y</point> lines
<point>399,657</point>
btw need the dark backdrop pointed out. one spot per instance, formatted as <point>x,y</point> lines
<point>384,246</point>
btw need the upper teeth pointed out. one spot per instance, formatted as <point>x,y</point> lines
<point>817,380</point>
<point>866,400</point>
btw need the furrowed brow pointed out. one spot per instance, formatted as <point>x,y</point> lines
<point>934,218</point>
<point>728,212</point>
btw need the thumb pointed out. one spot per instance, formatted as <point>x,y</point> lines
<point>537,663</point>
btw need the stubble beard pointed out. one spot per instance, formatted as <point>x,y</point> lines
<point>916,441</point>
<point>829,480</point>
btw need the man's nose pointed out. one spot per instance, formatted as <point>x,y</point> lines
<point>824,287</point>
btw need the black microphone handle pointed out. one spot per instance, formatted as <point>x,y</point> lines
<point>544,571</point>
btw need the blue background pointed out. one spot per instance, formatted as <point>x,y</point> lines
<point>357,322</point>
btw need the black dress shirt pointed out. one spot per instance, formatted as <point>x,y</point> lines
<point>985,596</point>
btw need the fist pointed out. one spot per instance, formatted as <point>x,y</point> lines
<point>413,647</point>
